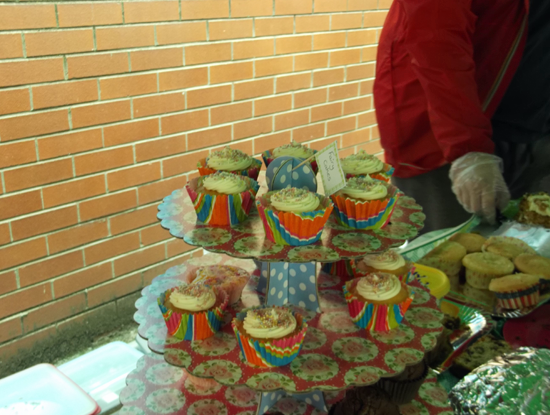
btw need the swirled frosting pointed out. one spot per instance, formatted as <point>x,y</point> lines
<point>193,297</point>
<point>362,163</point>
<point>365,188</point>
<point>292,199</point>
<point>379,286</point>
<point>269,323</point>
<point>229,159</point>
<point>293,150</point>
<point>539,203</point>
<point>389,260</point>
<point>224,182</point>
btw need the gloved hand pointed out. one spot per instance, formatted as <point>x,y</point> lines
<point>478,184</point>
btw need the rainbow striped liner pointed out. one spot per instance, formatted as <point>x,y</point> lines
<point>196,325</point>
<point>375,317</point>
<point>252,171</point>
<point>519,299</point>
<point>296,229</point>
<point>268,158</point>
<point>222,210</point>
<point>385,175</point>
<point>270,352</point>
<point>342,268</point>
<point>406,278</point>
<point>370,214</point>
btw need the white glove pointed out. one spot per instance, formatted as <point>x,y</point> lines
<point>478,184</point>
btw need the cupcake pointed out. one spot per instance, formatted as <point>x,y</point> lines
<point>535,209</point>
<point>535,265</point>
<point>366,400</point>
<point>446,257</point>
<point>294,216</point>
<point>516,291</point>
<point>269,336</point>
<point>362,164</point>
<point>480,295</point>
<point>482,267</point>
<point>378,301</point>
<point>507,246</point>
<point>232,161</point>
<point>193,312</point>
<point>229,278</point>
<point>403,388</point>
<point>293,149</point>
<point>365,203</point>
<point>471,241</point>
<point>389,262</point>
<point>222,199</point>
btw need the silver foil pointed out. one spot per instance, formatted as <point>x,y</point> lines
<point>516,383</point>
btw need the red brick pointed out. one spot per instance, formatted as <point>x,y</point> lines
<point>5,237</point>
<point>253,127</point>
<point>252,89</point>
<point>182,78</point>
<point>253,48</point>
<point>97,64</point>
<point>366,87</point>
<point>159,104</point>
<point>182,164</point>
<point>244,145</point>
<point>133,220</point>
<point>73,190</point>
<point>293,82</point>
<point>360,72</point>
<point>356,137</point>
<point>311,61</point>
<point>310,132</point>
<point>291,119</point>
<point>112,247</point>
<point>126,86</point>
<point>50,268</point>
<point>229,113</point>
<point>89,14</point>
<point>324,112</point>
<point>14,17</point>
<point>375,19</point>
<point>139,259</point>
<point>204,9</point>
<point>144,60</point>
<point>177,247</point>
<point>114,289</point>
<point>339,92</point>
<point>273,66</point>
<point>383,4</point>
<point>271,141</point>
<point>16,254</point>
<point>106,205</point>
<point>312,23</point>
<point>7,282</point>
<point>231,72</point>
<point>158,11</point>
<point>36,175</point>
<point>309,98</point>
<point>341,125</point>
<point>371,147</point>
<point>153,149</point>
<point>133,176</point>
<point>82,279</point>
<point>25,299</point>
<point>65,93</point>
<point>345,57</point>
<point>34,124</point>
<point>366,119</point>
<point>130,132</point>
<point>59,42</point>
<point>207,53</point>
<point>329,76</point>
<point>53,312</point>
<point>374,133</point>
<point>346,21</point>
<point>124,37</point>
<point>187,32</point>
<point>11,46</point>
<point>20,204</point>
<point>208,96</point>
<point>155,192</point>
<point>43,223</point>
<point>61,145</point>
<point>14,100</point>
<point>101,113</point>
<point>357,105</point>
<point>361,37</point>
<point>184,122</point>
<point>208,138</point>
<point>246,8</point>
<point>11,349</point>
<point>31,71</point>
<point>272,105</point>
<point>363,4</point>
<point>329,41</point>
<point>293,44</point>
<point>293,6</point>
<point>103,160</point>
<point>77,235</point>
<point>274,26</point>
<point>318,145</point>
<point>154,234</point>
<point>368,53</point>
<point>230,29</point>
<point>10,329</point>
<point>13,154</point>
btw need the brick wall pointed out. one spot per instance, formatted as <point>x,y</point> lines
<point>105,108</point>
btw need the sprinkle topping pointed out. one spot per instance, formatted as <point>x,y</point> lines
<point>230,154</point>
<point>194,290</point>
<point>362,183</point>
<point>267,318</point>
<point>291,194</point>
<point>361,155</point>
<point>378,280</point>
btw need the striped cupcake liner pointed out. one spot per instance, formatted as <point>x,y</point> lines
<point>406,278</point>
<point>296,229</point>
<point>252,171</point>
<point>222,210</point>
<point>342,268</point>
<point>519,299</point>
<point>196,326</point>
<point>270,352</point>
<point>268,158</point>
<point>375,317</point>
<point>384,175</point>
<point>544,285</point>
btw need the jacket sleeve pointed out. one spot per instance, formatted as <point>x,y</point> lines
<point>438,38</point>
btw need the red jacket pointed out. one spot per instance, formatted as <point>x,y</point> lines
<point>442,68</point>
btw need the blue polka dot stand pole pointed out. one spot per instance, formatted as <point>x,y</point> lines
<point>281,174</point>
<point>269,399</point>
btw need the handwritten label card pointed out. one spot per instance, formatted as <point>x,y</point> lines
<point>331,170</point>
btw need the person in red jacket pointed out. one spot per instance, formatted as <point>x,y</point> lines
<point>462,92</point>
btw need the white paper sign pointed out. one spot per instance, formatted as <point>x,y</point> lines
<point>331,170</point>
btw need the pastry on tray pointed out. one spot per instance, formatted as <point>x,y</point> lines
<point>536,265</point>
<point>269,336</point>
<point>482,267</point>
<point>378,301</point>
<point>403,388</point>
<point>534,209</point>
<point>471,241</point>
<point>227,277</point>
<point>507,246</point>
<point>230,160</point>
<point>486,348</point>
<point>389,262</point>
<point>516,291</point>
<point>365,203</point>
<point>293,149</point>
<point>446,257</point>
<point>362,164</point>
<point>294,216</point>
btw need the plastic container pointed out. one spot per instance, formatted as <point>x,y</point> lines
<point>435,280</point>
